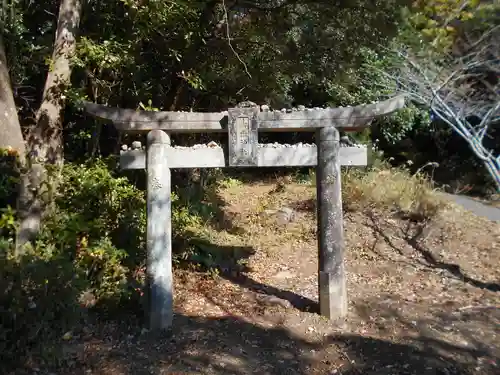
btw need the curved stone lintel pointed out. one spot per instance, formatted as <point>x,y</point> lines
<point>177,122</point>
<point>131,120</point>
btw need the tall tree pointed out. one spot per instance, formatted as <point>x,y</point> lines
<point>453,70</point>
<point>45,142</point>
<point>10,129</point>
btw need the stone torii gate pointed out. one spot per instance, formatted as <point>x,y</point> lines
<point>243,150</point>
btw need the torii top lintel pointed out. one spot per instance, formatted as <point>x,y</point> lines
<point>360,116</point>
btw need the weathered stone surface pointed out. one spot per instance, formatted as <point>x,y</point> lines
<point>271,300</point>
<point>282,216</point>
<point>190,122</point>
<point>285,215</point>
<point>243,138</point>
<point>246,104</point>
<point>332,281</point>
<point>269,155</point>
<point>159,232</point>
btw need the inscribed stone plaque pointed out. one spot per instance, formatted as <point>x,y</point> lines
<point>243,138</point>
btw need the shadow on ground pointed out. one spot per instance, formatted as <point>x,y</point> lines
<point>230,261</point>
<point>468,334</point>
<point>413,234</point>
<point>210,206</point>
<point>278,296</point>
<point>232,346</point>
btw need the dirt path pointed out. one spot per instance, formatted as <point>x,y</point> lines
<point>426,305</point>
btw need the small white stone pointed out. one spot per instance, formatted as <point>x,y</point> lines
<point>124,147</point>
<point>136,145</point>
<point>264,108</point>
<point>301,108</point>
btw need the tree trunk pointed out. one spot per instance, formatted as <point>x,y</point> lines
<point>10,129</point>
<point>45,141</point>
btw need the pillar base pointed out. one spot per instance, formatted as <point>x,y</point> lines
<point>332,295</point>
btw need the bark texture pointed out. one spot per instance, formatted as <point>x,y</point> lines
<point>10,130</point>
<point>45,141</point>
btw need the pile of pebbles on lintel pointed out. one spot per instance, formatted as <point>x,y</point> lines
<point>266,108</point>
<point>346,142</point>
<point>300,108</point>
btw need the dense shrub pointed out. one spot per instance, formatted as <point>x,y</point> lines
<point>94,204</point>
<point>9,178</point>
<point>91,251</point>
<point>87,252</point>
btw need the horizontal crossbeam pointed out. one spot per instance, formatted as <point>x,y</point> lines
<point>349,118</point>
<point>267,157</point>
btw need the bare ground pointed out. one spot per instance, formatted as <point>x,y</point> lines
<point>424,298</point>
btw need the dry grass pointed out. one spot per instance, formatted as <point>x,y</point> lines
<point>392,189</point>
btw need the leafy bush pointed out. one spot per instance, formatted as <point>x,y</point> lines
<point>90,252</point>
<point>87,253</point>
<point>9,177</point>
<point>95,204</point>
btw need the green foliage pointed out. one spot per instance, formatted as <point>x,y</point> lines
<point>158,55</point>
<point>402,125</point>
<point>183,218</point>
<point>436,20</point>
<point>229,183</point>
<point>93,202</point>
<point>7,222</point>
<point>87,253</point>
<point>90,252</point>
<point>45,291</point>
<point>9,177</point>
